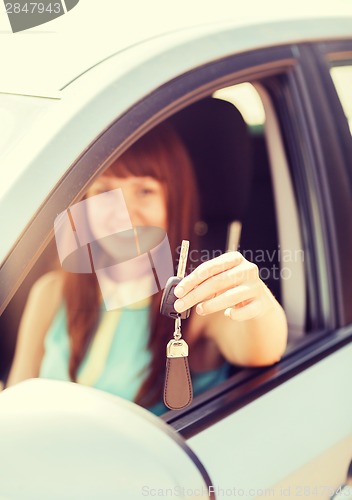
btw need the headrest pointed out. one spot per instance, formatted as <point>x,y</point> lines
<point>218,141</point>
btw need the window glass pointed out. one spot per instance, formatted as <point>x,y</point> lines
<point>342,78</point>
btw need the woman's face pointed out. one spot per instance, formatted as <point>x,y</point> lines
<point>145,201</point>
<point>116,209</point>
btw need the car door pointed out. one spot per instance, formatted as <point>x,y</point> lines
<point>311,442</point>
<point>256,431</point>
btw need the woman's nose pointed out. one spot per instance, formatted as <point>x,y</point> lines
<point>136,216</point>
<point>134,211</point>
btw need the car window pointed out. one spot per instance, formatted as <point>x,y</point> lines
<point>239,210</point>
<point>342,78</point>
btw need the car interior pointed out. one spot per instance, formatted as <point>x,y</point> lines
<point>235,164</point>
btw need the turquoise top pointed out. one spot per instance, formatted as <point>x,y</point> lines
<point>122,354</point>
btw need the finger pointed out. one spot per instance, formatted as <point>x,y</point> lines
<point>246,312</point>
<point>207,270</point>
<point>230,298</point>
<point>243,273</point>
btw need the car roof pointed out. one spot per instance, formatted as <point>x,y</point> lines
<point>43,60</point>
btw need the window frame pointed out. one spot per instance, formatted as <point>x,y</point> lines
<point>329,54</point>
<point>331,144</point>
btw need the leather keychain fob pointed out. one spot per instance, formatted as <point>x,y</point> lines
<point>178,391</point>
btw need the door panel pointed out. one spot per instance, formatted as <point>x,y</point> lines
<point>273,437</point>
<point>320,477</point>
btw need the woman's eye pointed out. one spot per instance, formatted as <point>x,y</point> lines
<point>146,191</point>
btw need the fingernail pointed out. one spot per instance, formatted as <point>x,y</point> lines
<point>200,309</point>
<point>179,291</point>
<point>179,305</point>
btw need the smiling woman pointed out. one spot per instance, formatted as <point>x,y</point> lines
<point>122,351</point>
<point>144,197</point>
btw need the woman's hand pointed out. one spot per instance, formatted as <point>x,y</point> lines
<point>228,282</point>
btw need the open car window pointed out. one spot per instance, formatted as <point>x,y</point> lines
<point>240,166</point>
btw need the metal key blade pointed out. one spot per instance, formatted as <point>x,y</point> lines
<point>181,268</point>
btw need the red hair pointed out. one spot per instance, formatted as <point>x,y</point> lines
<point>161,155</point>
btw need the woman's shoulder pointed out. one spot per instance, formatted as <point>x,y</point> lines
<point>49,282</point>
<point>42,304</point>
<point>47,291</point>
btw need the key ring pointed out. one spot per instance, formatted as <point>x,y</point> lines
<point>177,332</point>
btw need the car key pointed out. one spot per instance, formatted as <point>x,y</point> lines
<point>169,298</point>
<point>178,391</point>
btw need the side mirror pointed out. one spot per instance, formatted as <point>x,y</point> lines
<point>61,440</point>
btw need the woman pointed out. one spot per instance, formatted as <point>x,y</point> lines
<point>66,334</point>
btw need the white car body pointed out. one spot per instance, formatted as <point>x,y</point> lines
<point>295,436</point>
